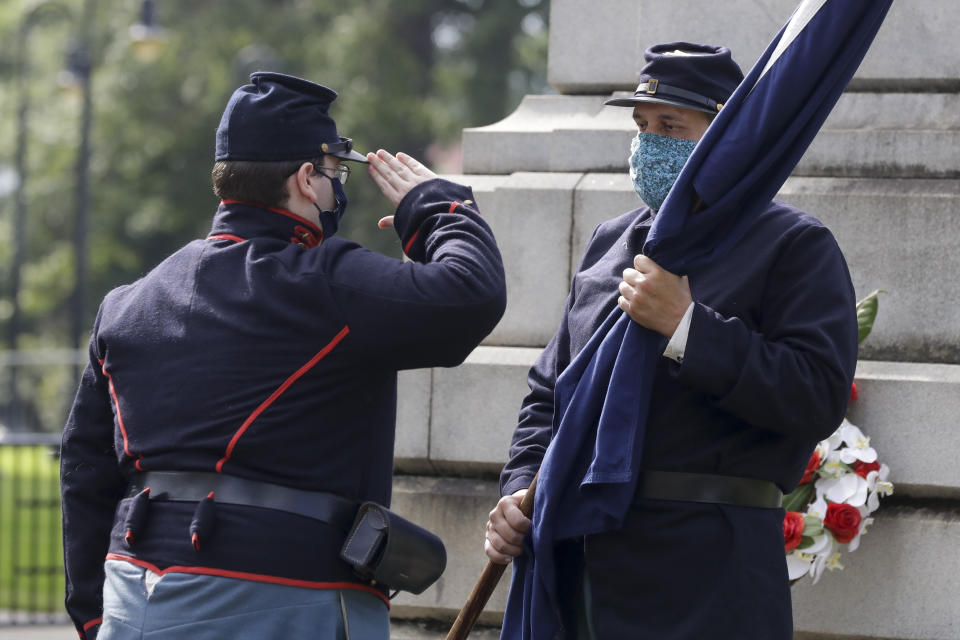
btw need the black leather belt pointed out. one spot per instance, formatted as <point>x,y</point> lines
<point>193,486</point>
<point>703,487</point>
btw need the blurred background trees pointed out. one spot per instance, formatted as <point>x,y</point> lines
<point>411,75</point>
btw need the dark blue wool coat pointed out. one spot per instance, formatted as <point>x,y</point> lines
<point>259,354</point>
<point>769,360</point>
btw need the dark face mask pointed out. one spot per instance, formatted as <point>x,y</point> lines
<point>330,218</point>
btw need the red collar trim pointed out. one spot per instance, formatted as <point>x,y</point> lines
<point>283,212</point>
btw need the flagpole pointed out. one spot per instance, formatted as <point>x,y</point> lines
<point>487,581</point>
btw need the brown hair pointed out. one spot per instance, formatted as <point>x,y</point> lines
<point>253,181</point>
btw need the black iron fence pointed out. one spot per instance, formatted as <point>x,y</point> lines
<point>31,556</point>
<point>36,391</point>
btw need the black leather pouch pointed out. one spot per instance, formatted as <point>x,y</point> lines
<point>385,549</point>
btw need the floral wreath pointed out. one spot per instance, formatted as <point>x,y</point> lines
<point>830,509</point>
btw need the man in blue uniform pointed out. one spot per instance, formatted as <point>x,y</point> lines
<point>761,354</point>
<point>240,400</point>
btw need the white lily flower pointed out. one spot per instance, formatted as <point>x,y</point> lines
<point>835,440</point>
<point>878,486</point>
<point>833,465</point>
<point>858,445</point>
<point>821,544</point>
<point>864,523</point>
<point>818,507</point>
<point>816,569</point>
<point>849,488</point>
<point>833,562</point>
<point>798,564</point>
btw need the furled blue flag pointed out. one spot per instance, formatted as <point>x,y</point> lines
<point>589,473</point>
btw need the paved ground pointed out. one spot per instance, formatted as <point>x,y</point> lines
<point>53,632</point>
<point>398,631</point>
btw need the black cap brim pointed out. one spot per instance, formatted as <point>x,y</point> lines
<point>351,155</point>
<point>633,100</point>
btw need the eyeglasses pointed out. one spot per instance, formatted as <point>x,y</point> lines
<point>341,172</point>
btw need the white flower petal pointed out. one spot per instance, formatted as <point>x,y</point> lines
<point>843,488</point>
<point>818,507</point>
<point>853,544</point>
<point>822,543</point>
<point>798,565</point>
<point>850,433</point>
<point>835,439</point>
<point>859,498</point>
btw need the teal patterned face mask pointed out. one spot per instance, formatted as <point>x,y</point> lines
<point>655,164</point>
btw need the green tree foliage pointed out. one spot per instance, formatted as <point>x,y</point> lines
<point>411,75</point>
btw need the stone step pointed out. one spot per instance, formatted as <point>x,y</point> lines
<point>897,235</point>
<point>908,409</point>
<point>601,49</point>
<point>904,135</point>
<point>905,571</point>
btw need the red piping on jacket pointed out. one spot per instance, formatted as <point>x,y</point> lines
<point>116,403</point>
<point>406,249</point>
<point>454,205</point>
<point>276,394</point>
<point>283,212</point>
<point>242,575</point>
<point>226,236</point>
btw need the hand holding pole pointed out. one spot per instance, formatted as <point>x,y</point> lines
<point>487,582</point>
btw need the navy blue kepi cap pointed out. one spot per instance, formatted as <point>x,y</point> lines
<point>279,117</point>
<point>682,74</point>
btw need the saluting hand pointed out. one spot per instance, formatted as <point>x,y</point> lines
<point>396,176</point>
<point>654,297</point>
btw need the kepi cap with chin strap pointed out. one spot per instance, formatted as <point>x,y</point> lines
<point>693,76</point>
<point>279,117</point>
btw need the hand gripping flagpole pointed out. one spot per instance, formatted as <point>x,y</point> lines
<point>487,581</point>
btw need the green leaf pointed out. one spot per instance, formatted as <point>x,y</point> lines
<point>867,313</point>
<point>805,542</point>
<point>799,498</point>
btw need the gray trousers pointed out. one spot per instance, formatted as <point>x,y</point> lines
<point>139,605</point>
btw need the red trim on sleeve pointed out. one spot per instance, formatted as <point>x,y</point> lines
<point>276,394</point>
<point>116,403</point>
<point>226,236</point>
<point>406,248</point>
<point>454,205</point>
<point>243,575</point>
<point>87,626</point>
<point>283,212</point>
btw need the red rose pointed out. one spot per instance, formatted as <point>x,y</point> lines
<point>863,468</point>
<point>812,465</point>
<point>843,521</point>
<point>853,392</point>
<point>793,526</point>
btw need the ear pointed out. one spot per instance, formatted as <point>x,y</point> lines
<point>303,182</point>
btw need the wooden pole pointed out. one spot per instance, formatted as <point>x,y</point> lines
<point>487,582</point>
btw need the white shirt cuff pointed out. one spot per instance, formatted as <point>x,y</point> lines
<point>678,342</point>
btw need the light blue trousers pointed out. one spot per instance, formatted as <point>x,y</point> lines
<point>139,605</point>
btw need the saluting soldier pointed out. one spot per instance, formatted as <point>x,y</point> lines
<point>240,399</point>
<point>761,353</point>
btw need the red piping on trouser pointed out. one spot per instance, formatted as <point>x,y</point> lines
<point>276,394</point>
<point>243,575</point>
